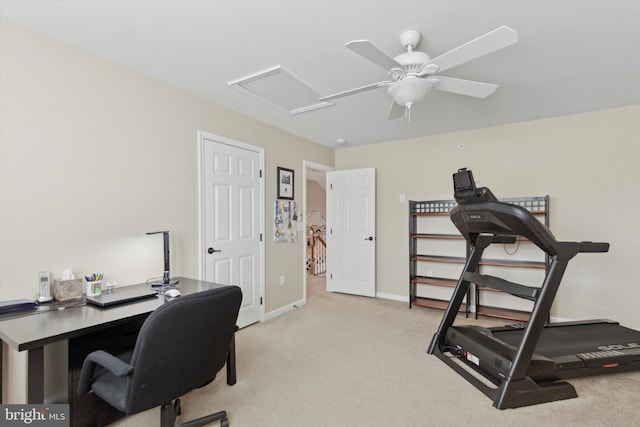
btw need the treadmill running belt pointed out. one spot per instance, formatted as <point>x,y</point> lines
<point>574,339</point>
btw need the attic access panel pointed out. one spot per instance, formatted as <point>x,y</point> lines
<point>281,89</point>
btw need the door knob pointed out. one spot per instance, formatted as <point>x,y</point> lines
<point>370,238</point>
<point>211,250</point>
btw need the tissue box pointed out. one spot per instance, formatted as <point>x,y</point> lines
<point>64,290</point>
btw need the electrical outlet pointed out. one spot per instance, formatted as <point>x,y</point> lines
<point>283,280</point>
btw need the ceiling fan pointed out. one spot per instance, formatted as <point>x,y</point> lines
<point>413,74</point>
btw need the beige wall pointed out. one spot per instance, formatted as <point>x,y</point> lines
<point>93,155</point>
<point>587,164</point>
<point>316,198</point>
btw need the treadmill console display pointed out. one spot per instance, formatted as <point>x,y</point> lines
<point>465,190</point>
<point>463,181</point>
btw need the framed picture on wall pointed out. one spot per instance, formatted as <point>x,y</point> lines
<point>285,183</point>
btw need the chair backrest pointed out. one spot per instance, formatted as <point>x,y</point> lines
<point>181,346</point>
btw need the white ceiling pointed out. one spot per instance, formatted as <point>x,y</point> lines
<point>572,57</point>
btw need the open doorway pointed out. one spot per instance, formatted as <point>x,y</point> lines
<point>314,218</point>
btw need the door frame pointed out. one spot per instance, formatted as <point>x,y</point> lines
<point>202,135</point>
<point>306,164</point>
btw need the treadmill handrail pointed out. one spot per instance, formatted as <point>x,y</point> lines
<point>594,247</point>
<point>505,219</point>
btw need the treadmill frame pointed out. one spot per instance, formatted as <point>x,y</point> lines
<point>483,220</point>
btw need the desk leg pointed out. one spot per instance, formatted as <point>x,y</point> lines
<point>35,375</point>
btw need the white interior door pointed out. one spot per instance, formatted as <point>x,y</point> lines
<point>351,237</point>
<point>232,224</point>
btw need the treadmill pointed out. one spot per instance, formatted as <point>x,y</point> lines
<point>521,364</point>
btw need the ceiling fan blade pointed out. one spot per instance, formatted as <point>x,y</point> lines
<point>354,91</point>
<point>396,111</point>
<point>373,54</point>
<point>483,45</point>
<point>464,87</point>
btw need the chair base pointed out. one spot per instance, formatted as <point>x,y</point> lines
<point>169,413</point>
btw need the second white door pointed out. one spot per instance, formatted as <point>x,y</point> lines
<point>351,237</point>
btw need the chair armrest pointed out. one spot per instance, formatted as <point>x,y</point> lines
<point>107,361</point>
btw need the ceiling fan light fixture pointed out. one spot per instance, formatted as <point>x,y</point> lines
<point>409,90</point>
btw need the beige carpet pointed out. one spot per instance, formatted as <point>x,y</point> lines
<point>344,360</point>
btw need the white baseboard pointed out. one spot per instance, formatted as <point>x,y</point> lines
<point>394,297</point>
<point>282,310</point>
<point>287,308</point>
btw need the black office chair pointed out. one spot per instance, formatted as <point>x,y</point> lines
<point>181,346</point>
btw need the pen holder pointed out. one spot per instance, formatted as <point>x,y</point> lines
<point>94,288</point>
